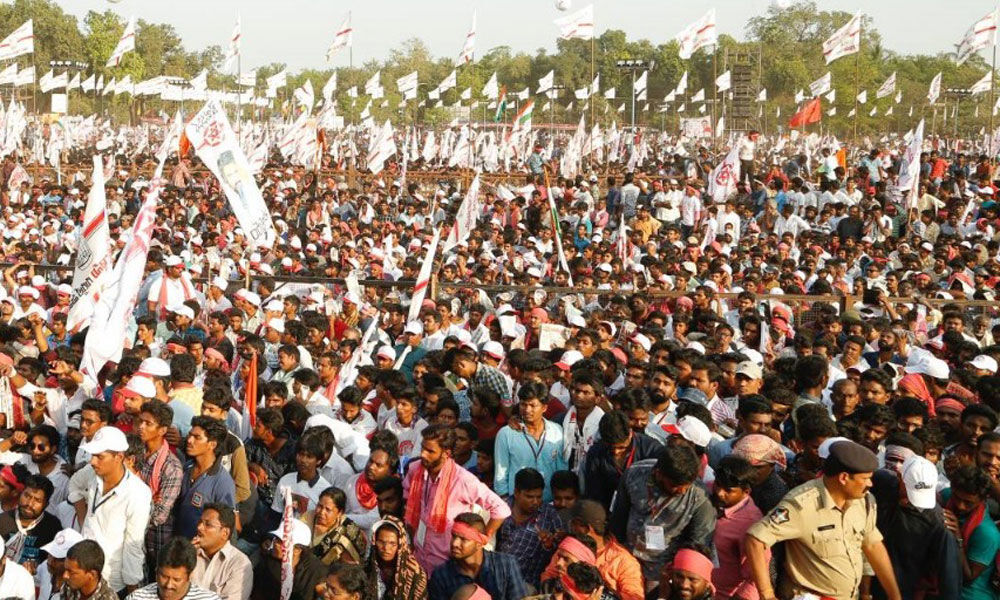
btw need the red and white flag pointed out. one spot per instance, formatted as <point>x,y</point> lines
<point>467,54</point>
<point>343,38</point>
<point>579,25</point>
<point>844,41</point>
<point>125,44</point>
<point>982,34</point>
<point>888,87</point>
<point>21,41</point>
<point>93,259</point>
<point>722,180</point>
<point>909,168</point>
<point>465,220</point>
<point>287,544</point>
<point>233,55</point>
<point>423,278</point>
<point>700,34</point>
<point>935,89</point>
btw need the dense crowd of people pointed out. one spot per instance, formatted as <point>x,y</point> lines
<point>676,429</point>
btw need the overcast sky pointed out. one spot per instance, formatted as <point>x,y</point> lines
<point>298,32</point>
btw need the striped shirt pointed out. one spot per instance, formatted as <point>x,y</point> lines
<point>194,592</point>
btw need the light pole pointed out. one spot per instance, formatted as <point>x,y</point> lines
<point>957,94</point>
<point>634,65</point>
<point>181,83</point>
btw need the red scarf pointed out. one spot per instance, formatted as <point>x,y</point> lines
<point>154,477</point>
<point>365,492</point>
<point>250,392</point>
<point>439,507</point>
<point>188,293</point>
<point>977,516</point>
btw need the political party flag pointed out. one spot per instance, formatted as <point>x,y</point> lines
<point>93,259</point>
<point>762,96</point>
<point>844,41</point>
<point>682,85</point>
<point>888,87</point>
<point>278,80</point>
<point>821,85</point>
<point>233,55</point>
<point>862,96</point>
<point>699,96</point>
<point>216,145</point>
<point>449,82</point>
<point>467,54</point>
<point>383,146</point>
<point>609,94</point>
<point>811,113</point>
<point>287,544</point>
<point>465,219</point>
<point>491,89</point>
<point>724,82</point>
<point>579,25</point>
<point>125,44</point>
<point>909,169</point>
<point>545,83</point>
<point>330,87</point>
<point>983,85</point>
<point>21,41</point>
<point>700,34</point>
<point>423,278</point>
<point>723,178</point>
<point>832,96</point>
<point>342,39</point>
<point>640,83</point>
<point>522,122</point>
<point>501,105</point>
<point>983,33</point>
<point>935,89</point>
<point>374,83</point>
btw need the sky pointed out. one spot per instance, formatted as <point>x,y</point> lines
<point>298,32</point>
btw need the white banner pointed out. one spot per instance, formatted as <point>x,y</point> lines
<point>888,87</point>
<point>216,145</point>
<point>700,34</point>
<point>697,127</point>
<point>93,261</point>
<point>821,85</point>
<point>465,220</point>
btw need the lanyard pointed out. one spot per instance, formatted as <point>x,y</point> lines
<point>628,461</point>
<point>98,504</point>
<point>531,443</point>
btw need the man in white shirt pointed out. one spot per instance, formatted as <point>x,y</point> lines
<point>118,505</point>
<point>16,581</point>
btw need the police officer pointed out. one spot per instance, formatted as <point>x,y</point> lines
<point>829,527</point>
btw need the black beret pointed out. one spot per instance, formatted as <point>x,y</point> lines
<point>850,457</point>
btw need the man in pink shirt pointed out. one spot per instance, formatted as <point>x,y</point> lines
<point>737,512</point>
<point>436,490</point>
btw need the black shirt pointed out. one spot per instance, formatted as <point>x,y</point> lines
<point>39,535</point>
<point>601,473</point>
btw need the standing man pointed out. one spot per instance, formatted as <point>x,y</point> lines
<point>205,480</point>
<point>118,507</point>
<point>162,472</point>
<point>436,491</point>
<point>221,567</point>
<point>538,444</point>
<point>829,528</point>
<point>747,147</point>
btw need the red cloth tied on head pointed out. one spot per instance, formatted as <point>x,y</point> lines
<point>469,533</point>
<point>948,403</point>
<point>578,550</point>
<point>694,562</point>
<point>7,474</point>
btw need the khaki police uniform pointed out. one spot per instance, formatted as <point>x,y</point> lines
<point>823,543</point>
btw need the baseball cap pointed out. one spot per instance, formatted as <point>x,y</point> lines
<point>750,370</point>
<point>693,394</point>
<point>987,363</point>
<point>494,349</point>
<point>173,261</point>
<point>386,352</point>
<point>182,310</point>
<point>277,325</point>
<point>642,340</point>
<point>301,536</point>
<point>154,367</point>
<point>220,283</point>
<point>927,364</point>
<point>141,386</point>
<point>568,359</point>
<point>107,439</point>
<point>692,429</point>
<point>60,545</point>
<point>920,478</point>
<point>414,327</point>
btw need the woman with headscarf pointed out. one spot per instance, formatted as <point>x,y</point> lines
<point>767,457</point>
<point>335,538</point>
<point>393,572</point>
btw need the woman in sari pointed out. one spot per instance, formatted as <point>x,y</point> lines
<point>393,572</point>
<point>335,538</point>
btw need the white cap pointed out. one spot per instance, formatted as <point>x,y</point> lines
<point>610,326</point>
<point>824,449</point>
<point>534,272</point>
<point>386,352</point>
<point>301,535</point>
<point>181,309</point>
<point>494,349</point>
<point>275,305</point>
<point>604,267</point>
<point>220,282</point>
<point>27,290</point>
<point>927,364</point>
<point>415,327</point>
<point>173,261</point>
<point>38,281</point>
<point>155,367</point>
<point>64,288</point>
<point>277,325</point>
<point>642,340</point>
<point>568,359</point>
<point>692,429</point>
<point>107,439</point>
<point>252,298</point>
<point>60,545</point>
<point>142,386</point>
<point>920,478</point>
<point>987,363</point>
<point>577,321</point>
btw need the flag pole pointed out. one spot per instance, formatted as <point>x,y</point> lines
<point>590,138</point>
<point>993,71</point>
<point>857,84</point>
<point>350,47</point>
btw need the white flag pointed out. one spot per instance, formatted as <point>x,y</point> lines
<point>873,111</point>
<point>579,25</point>
<point>983,85</point>
<point>468,52</point>
<point>640,83</point>
<point>383,146</point>
<point>423,279</point>
<point>93,259</point>
<point>845,41</point>
<point>74,84</point>
<point>305,95</point>
<point>799,96</point>
<point>233,55</point>
<point>682,85</point>
<point>832,96</point>
<point>287,542</point>
<point>407,85</point>
<point>723,178</point>
<point>762,96</point>
<point>983,33</point>
<point>888,87</point>
<point>216,145</point>
<point>909,168</point>
<point>9,74</point>
<point>935,89</point>
<point>699,96</point>
<point>821,85</point>
<point>700,34</point>
<point>670,97</point>
<point>125,44</point>
<point>545,83</point>
<point>595,86</point>
<point>374,83</point>
<point>248,79</point>
<point>45,82</point>
<point>25,77</point>
<point>852,113</point>
<point>466,94</point>
<point>21,41</point>
<point>492,90</point>
<point>465,219</point>
<point>200,82</point>
<point>609,94</point>
<point>862,96</point>
<point>582,93</point>
<point>278,80</point>
<point>330,87</point>
<point>899,96</point>
<point>724,82</point>
<point>342,39</point>
<point>832,111</point>
<point>889,112</point>
<point>449,82</point>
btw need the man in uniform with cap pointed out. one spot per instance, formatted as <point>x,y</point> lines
<point>829,527</point>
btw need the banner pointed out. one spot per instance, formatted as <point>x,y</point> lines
<point>723,178</point>
<point>125,44</point>
<point>697,127</point>
<point>465,219</point>
<point>983,33</point>
<point>579,25</point>
<point>909,168</point>
<point>287,544</point>
<point>216,145</point>
<point>423,279</point>
<point>93,261</point>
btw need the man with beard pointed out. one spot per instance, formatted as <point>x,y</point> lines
<point>688,576</point>
<point>966,516</point>
<point>616,450</point>
<point>174,566</point>
<point>43,443</point>
<point>362,497</point>
<point>469,562</point>
<point>29,527</point>
<point>662,390</point>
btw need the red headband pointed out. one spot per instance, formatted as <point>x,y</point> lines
<point>571,589</point>
<point>949,403</point>
<point>576,549</point>
<point>692,561</point>
<point>468,532</point>
<point>7,474</point>
<point>176,348</point>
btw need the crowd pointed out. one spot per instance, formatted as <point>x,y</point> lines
<point>677,429</point>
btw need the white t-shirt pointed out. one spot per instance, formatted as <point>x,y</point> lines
<point>16,582</point>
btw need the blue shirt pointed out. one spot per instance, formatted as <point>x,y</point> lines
<point>499,575</point>
<point>182,416</point>
<point>522,541</point>
<point>516,450</point>
<point>214,485</point>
